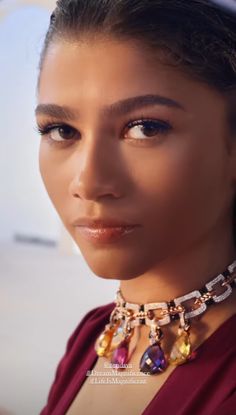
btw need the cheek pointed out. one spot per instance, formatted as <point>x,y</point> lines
<point>180,183</point>
<point>52,171</point>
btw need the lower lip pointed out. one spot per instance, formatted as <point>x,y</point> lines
<point>104,235</point>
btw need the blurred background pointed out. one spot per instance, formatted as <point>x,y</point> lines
<point>45,285</point>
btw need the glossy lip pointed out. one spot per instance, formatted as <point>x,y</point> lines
<point>104,235</point>
<point>99,223</point>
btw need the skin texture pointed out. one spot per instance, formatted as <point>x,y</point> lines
<point>179,186</point>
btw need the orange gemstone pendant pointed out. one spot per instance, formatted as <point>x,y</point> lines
<point>103,342</point>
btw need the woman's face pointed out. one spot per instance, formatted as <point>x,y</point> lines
<point>172,174</point>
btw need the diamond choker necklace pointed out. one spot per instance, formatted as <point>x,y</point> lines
<point>114,341</point>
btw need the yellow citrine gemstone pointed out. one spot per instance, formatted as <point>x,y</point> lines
<point>181,349</point>
<point>103,342</point>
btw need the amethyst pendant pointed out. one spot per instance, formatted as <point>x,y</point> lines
<point>153,360</point>
<point>120,354</point>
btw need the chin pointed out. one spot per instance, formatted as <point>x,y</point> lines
<point>115,266</point>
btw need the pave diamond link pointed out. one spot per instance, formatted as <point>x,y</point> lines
<point>232,268</point>
<point>225,294</point>
<point>194,294</point>
<point>155,306</point>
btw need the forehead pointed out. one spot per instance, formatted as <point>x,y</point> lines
<point>104,71</point>
<point>104,64</point>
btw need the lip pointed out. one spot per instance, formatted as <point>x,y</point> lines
<point>98,223</point>
<point>105,235</point>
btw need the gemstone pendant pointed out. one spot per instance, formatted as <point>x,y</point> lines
<point>120,354</point>
<point>103,342</point>
<point>153,360</point>
<point>181,350</point>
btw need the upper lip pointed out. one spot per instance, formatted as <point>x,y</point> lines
<point>101,222</point>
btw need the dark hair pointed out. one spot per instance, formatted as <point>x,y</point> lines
<point>193,34</point>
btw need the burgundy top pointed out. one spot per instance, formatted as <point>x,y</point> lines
<point>205,386</point>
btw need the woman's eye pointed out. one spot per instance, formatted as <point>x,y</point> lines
<point>59,133</point>
<point>139,130</point>
<point>146,129</point>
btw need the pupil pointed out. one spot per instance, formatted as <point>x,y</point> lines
<point>149,128</point>
<point>66,132</point>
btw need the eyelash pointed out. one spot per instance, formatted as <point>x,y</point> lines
<point>164,127</point>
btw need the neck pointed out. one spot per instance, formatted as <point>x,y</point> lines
<point>177,275</point>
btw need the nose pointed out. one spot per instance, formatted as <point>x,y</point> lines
<point>96,172</point>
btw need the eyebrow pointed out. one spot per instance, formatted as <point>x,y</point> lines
<point>118,108</point>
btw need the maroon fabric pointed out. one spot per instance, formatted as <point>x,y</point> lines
<point>205,386</point>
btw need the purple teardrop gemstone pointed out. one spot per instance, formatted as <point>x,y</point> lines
<point>153,360</point>
<point>120,354</point>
